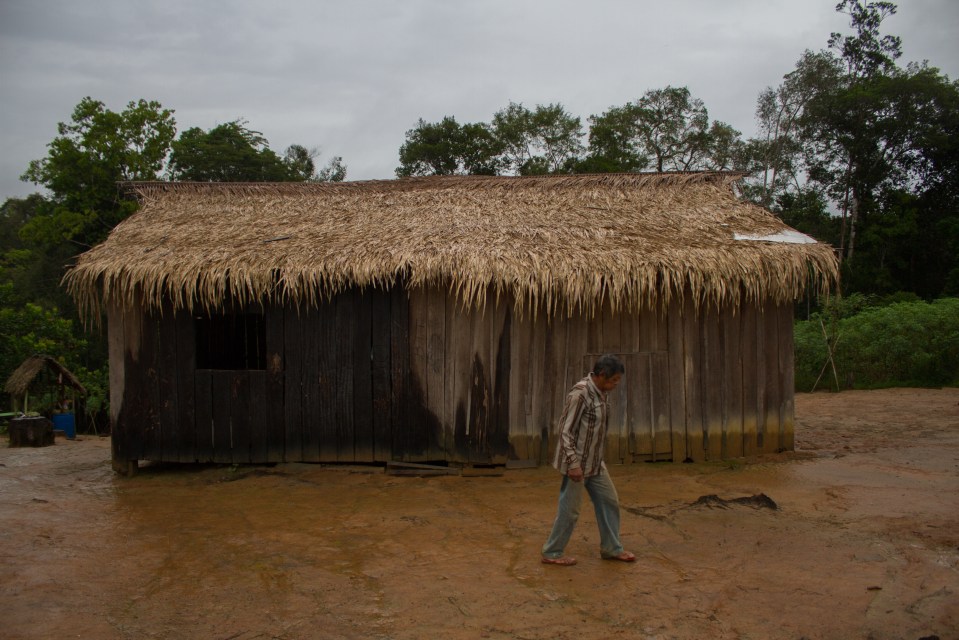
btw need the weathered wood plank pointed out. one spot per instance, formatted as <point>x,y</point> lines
<point>499,359</point>
<point>185,387</point>
<point>611,323</point>
<point>418,433</point>
<point>260,417</point>
<point>773,384</point>
<point>460,342</point>
<point>693,369</point>
<point>733,377</point>
<point>340,374</point>
<point>637,386</point>
<point>521,434</point>
<point>399,375</point>
<point>273,430</point>
<point>632,331</point>
<point>480,391</point>
<point>317,433</point>
<point>167,376</point>
<point>765,404</point>
<point>753,379</point>
<point>149,393</point>
<point>677,381</point>
<point>787,366</point>
<point>116,350</point>
<point>541,390</point>
<point>381,376</point>
<point>222,431</point>
<point>436,379</point>
<point>203,381</point>
<point>241,415</point>
<point>294,325</point>
<point>363,379</point>
<point>660,405</point>
<point>713,380</point>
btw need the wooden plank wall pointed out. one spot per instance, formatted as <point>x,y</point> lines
<point>373,376</point>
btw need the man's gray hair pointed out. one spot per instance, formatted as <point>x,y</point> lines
<point>608,365</point>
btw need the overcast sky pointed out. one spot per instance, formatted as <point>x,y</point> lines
<point>351,77</point>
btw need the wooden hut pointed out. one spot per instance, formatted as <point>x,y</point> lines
<point>443,319</point>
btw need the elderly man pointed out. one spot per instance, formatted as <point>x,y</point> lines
<point>579,457</point>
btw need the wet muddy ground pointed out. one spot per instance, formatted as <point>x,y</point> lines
<point>864,544</point>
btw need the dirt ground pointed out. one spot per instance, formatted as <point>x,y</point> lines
<point>864,544</point>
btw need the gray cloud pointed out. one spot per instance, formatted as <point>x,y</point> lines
<point>351,77</point>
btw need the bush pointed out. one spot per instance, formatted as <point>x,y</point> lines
<point>911,344</point>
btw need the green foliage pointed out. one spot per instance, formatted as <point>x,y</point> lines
<point>31,329</point>
<point>231,152</point>
<point>89,156</point>
<point>874,146</point>
<point>881,343</point>
<point>447,148</point>
<point>667,130</point>
<point>539,141</point>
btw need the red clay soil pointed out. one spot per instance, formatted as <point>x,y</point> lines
<point>864,543</point>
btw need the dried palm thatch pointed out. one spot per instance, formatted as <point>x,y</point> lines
<point>558,242</point>
<point>23,376</point>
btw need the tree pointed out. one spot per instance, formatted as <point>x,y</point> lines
<point>334,171</point>
<point>666,129</point>
<point>544,140</point>
<point>299,162</point>
<point>776,155</point>
<point>300,165</point>
<point>229,152</point>
<point>89,156</point>
<point>614,146</point>
<point>871,134</point>
<point>448,148</point>
<point>877,141</point>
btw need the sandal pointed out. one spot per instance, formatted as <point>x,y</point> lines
<point>565,561</point>
<point>625,556</point>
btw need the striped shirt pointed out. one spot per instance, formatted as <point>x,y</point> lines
<point>582,430</point>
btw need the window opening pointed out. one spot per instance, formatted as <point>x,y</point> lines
<point>231,341</point>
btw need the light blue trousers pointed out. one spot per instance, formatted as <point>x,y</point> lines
<point>605,501</point>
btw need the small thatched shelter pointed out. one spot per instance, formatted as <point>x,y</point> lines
<point>443,319</point>
<point>30,374</point>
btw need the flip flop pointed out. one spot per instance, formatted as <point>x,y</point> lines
<point>625,556</point>
<point>565,561</point>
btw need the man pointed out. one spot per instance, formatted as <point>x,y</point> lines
<point>579,457</point>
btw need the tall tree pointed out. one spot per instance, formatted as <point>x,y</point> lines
<point>301,166</point>
<point>539,141</point>
<point>448,148</point>
<point>844,124</point>
<point>879,141</point>
<point>666,129</point>
<point>776,154</point>
<point>89,156</point>
<point>230,152</point>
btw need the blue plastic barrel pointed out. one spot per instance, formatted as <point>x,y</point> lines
<point>65,422</point>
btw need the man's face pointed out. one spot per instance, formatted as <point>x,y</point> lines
<point>605,384</point>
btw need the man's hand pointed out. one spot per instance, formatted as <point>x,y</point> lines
<point>576,475</point>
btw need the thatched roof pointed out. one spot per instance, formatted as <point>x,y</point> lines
<point>566,241</point>
<point>23,376</point>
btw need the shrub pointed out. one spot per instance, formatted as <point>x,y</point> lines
<point>901,344</point>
